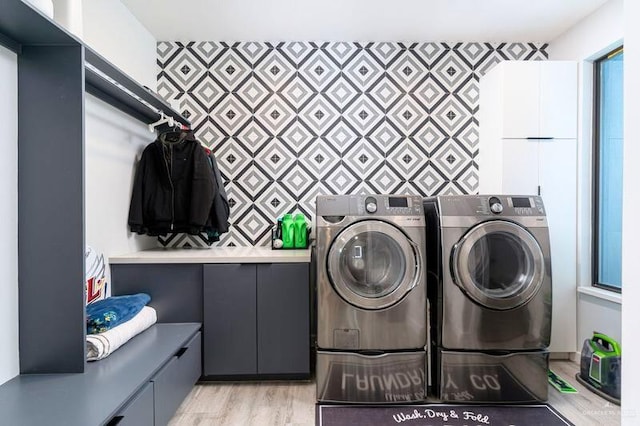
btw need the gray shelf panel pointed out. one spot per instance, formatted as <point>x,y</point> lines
<point>102,391</point>
<point>21,24</point>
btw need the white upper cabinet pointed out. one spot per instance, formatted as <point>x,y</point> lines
<point>538,98</point>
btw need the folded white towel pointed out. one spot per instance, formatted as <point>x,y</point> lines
<point>103,344</point>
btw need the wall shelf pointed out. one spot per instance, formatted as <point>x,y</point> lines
<point>21,25</point>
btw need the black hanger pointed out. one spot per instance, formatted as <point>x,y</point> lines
<point>175,135</point>
<point>172,137</point>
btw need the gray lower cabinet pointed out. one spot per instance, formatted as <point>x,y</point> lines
<point>255,316</point>
<point>256,320</point>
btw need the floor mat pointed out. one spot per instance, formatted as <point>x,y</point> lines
<point>561,384</point>
<point>439,415</point>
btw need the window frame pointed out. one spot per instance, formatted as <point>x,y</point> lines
<point>595,181</point>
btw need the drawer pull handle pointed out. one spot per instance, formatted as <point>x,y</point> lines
<point>114,421</point>
<point>181,352</point>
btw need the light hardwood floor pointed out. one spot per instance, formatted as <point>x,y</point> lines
<point>293,403</point>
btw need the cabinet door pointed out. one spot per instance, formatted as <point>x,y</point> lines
<point>283,319</point>
<point>520,167</point>
<point>521,99</point>
<point>558,99</point>
<point>558,184</point>
<point>229,335</point>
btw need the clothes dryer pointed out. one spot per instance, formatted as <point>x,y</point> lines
<point>490,293</point>
<point>371,298</point>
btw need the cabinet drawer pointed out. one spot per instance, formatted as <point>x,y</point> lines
<point>138,411</point>
<point>176,379</point>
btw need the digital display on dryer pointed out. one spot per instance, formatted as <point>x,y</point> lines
<point>521,202</point>
<point>398,202</point>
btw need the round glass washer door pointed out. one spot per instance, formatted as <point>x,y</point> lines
<point>499,264</point>
<point>372,264</point>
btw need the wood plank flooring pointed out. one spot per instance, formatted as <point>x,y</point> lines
<point>293,403</point>
<point>584,408</point>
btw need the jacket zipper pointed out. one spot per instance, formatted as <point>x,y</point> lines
<point>169,167</point>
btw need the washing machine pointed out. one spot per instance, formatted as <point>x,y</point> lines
<point>490,296</point>
<point>371,299</point>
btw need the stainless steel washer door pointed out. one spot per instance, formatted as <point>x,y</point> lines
<point>372,264</point>
<point>499,264</point>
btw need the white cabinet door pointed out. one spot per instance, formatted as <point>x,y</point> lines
<point>520,167</point>
<point>520,87</point>
<point>558,99</point>
<point>558,181</point>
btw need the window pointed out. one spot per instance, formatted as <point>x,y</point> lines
<point>608,145</point>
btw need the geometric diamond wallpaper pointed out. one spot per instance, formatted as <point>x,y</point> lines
<point>288,121</point>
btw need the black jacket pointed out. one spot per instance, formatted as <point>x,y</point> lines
<point>174,188</point>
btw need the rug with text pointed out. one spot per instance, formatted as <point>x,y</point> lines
<point>439,415</point>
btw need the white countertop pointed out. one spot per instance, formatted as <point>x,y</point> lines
<point>215,255</point>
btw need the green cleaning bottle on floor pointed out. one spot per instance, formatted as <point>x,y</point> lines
<point>300,234</point>
<point>287,231</point>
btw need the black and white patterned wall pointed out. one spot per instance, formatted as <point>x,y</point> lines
<point>289,121</point>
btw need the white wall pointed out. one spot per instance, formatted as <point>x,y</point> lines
<point>114,140</point>
<point>9,364</point>
<point>584,42</point>
<point>68,13</point>
<point>630,222</point>
<point>110,29</point>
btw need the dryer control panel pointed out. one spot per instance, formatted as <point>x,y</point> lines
<point>491,205</point>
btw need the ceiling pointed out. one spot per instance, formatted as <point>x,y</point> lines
<point>360,20</point>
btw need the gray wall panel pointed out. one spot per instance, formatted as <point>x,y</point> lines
<point>175,290</point>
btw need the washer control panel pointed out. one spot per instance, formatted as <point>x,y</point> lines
<point>506,205</point>
<point>387,205</point>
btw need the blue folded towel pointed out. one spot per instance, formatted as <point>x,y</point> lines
<point>107,313</point>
